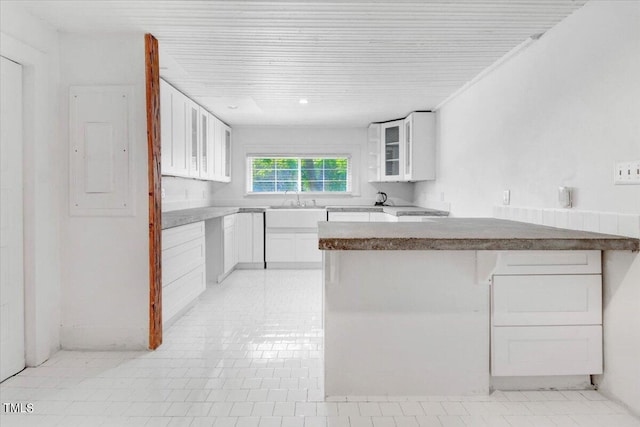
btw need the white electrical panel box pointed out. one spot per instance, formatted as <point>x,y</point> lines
<point>627,173</point>
<point>100,158</point>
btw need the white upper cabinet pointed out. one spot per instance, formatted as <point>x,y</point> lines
<point>420,147</point>
<point>173,118</point>
<point>195,143</point>
<point>392,151</point>
<point>373,152</point>
<point>405,149</point>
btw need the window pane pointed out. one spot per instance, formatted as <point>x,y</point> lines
<point>263,163</point>
<point>311,174</point>
<point>286,163</point>
<point>264,175</point>
<point>311,185</point>
<point>264,186</point>
<point>335,175</point>
<point>287,186</point>
<point>287,175</point>
<point>311,163</point>
<point>335,186</point>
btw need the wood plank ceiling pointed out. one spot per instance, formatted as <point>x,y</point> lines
<point>355,61</point>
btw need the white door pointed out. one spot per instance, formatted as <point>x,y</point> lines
<point>11,271</point>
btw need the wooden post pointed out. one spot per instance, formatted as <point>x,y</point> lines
<point>152,71</point>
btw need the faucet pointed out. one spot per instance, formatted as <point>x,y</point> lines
<point>297,197</point>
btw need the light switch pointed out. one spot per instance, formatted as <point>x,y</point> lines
<point>506,197</point>
<point>627,173</point>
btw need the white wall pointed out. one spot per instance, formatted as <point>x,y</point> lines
<point>34,45</point>
<point>560,112</point>
<point>182,193</point>
<point>105,260</point>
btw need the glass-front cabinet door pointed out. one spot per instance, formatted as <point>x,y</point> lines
<point>392,150</point>
<point>193,133</point>
<point>408,149</point>
<point>227,152</point>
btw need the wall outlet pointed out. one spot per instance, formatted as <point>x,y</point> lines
<point>627,173</point>
<point>506,197</point>
<point>564,197</point>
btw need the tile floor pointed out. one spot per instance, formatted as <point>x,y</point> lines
<point>249,354</point>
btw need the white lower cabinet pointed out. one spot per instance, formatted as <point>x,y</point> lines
<point>547,350</point>
<point>546,317</point>
<point>183,268</point>
<point>349,216</point>
<point>250,238</point>
<point>295,247</point>
<point>230,253</point>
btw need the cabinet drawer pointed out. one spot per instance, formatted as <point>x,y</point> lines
<point>547,300</point>
<point>546,350</point>
<point>181,292</point>
<point>179,260</point>
<point>349,216</point>
<point>178,235</point>
<point>547,262</point>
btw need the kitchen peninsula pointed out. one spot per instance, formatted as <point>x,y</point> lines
<point>447,306</point>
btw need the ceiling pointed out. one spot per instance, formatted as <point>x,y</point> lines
<point>355,61</point>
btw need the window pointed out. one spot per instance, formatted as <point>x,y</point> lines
<point>314,174</point>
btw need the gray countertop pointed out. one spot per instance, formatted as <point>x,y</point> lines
<point>186,216</point>
<point>463,234</point>
<point>392,210</point>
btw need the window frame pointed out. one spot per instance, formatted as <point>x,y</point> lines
<point>299,157</point>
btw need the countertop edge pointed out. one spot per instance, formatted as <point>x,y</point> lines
<point>403,243</point>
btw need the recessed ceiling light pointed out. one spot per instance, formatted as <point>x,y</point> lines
<point>303,101</point>
<point>232,107</point>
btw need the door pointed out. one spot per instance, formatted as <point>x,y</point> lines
<point>11,239</point>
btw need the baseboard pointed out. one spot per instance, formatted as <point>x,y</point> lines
<point>560,382</point>
<point>294,265</point>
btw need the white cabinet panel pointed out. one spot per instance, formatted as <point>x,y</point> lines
<point>183,267</point>
<point>281,247</point>
<point>230,251</point>
<point>244,225</point>
<point>547,262</point>
<point>306,245</point>
<point>380,217</point>
<point>410,218</point>
<point>179,146</point>
<point>392,151</point>
<point>349,216</point>
<point>258,237</point>
<point>547,300</point>
<point>546,350</point>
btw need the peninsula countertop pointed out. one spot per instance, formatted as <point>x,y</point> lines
<point>464,234</point>
<point>187,216</point>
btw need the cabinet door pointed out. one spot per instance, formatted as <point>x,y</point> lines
<point>392,151</point>
<point>206,169</point>
<point>179,146</point>
<point>258,237</point>
<point>373,148</point>
<point>281,247</point>
<point>226,140</point>
<point>166,138</point>
<point>379,217</point>
<point>229,243</point>
<point>193,138</point>
<point>244,225</point>
<point>408,149</point>
<point>307,248</point>
<point>218,147</point>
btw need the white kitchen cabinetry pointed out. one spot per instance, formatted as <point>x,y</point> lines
<point>373,152</point>
<point>207,139</point>
<point>250,232</point>
<point>173,112</point>
<point>406,149</point>
<point>183,268</point>
<point>392,151</point>
<point>195,143</point>
<point>229,245</point>
<point>349,216</point>
<point>546,313</point>
<point>419,147</point>
<point>292,238</point>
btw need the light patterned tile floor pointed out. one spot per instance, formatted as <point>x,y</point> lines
<point>249,354</point>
